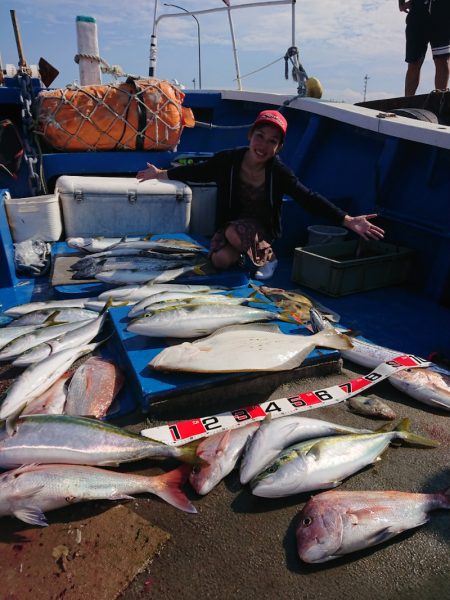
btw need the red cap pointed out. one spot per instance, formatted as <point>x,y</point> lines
<point>272,117</point>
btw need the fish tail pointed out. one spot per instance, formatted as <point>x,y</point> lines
<point>331,338</point>
<point>168,487</point>
<point>254,298</point>
<point>403,433</point>
<point>108,304</point>
<point>188,454</point>
<point>198,270</point>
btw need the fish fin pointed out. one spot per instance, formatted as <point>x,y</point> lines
<point>11,421</point>
<point>288,317</point>
<point>405,435</point>
<point>254,298</point>
<point>50,321</point>
<point>331,338</point>
<point>168,487</point>
<point>314,451</point>
<point>332,484</point>
<point>32,515</point>
<point>223,444</point>
<point>418,440</point>
<point>120,496</point>
<point>188,454</point>
<point>108,304</point>
<point>384,534</point>
<point>270,327</point>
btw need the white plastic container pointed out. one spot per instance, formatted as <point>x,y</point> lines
<point>37,218</point>
<point>325,234</point>
<point>203,211</point>
<point>118,206</point>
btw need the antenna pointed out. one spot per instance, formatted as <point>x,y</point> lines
<point>366,78</point>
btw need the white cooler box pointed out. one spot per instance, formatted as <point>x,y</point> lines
<point>118,206</point>
<point>37,218</point>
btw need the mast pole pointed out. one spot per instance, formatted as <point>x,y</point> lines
<point>153,45</point>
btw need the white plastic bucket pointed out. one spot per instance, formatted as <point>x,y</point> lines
<point>325,234</point>
<point>37,218</point>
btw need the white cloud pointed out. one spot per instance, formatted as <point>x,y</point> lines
<point>339,42</point>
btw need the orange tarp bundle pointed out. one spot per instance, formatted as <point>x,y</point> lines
<point>142,114</point>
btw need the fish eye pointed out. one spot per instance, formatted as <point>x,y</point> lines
<point>272,469</point>
<point>307,521</point>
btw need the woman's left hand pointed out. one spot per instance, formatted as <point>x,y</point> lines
<point>363,227</point>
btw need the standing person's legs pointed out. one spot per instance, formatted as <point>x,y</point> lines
<point>442,76</point>
<point>440,42</point>
<point>417,38</point>
<point>412,78</point>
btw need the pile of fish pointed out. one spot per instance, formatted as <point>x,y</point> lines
<point>54,452</point>
<point>47,339</point>
<point>294,454</point>
<point>70,451</point>
<point>238,339</point>
<point>136,260</point>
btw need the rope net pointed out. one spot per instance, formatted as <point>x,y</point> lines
<point>139,114</point>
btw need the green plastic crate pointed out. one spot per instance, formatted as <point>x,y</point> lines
<point>349,267</point>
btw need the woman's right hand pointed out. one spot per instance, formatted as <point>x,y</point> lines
<point>151,172</point>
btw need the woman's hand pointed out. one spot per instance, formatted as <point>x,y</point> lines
<point>151,172</point>
<point>363,227</point>
<point>404,5</point>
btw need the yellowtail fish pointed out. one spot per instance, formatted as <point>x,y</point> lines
<point>324,462</point>
<point>135,293</point>
<point>120,276</point>
<point>276,434</point>
<point>197,320</point>
<point>83,441</point>
<point>23,309</point>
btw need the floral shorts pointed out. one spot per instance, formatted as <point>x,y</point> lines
<point>254,241</point>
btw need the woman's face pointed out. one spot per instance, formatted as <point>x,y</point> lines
<point>265,142</point>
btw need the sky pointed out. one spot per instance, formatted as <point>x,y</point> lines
<point>354,48</point>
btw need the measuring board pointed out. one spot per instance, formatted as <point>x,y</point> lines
<point>182,432</point>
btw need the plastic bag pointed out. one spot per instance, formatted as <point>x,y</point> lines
<point>32,257</point>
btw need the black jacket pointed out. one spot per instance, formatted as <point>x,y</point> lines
<point>224,167</point>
